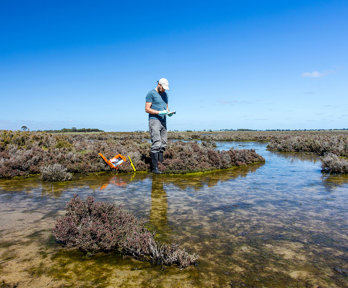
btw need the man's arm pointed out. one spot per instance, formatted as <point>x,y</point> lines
<point>149,110</point>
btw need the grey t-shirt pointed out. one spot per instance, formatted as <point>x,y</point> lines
<point>159,102</point>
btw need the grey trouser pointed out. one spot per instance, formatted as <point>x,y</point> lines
<point>158,132</point>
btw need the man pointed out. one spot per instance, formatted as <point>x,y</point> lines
<point>157,107</point>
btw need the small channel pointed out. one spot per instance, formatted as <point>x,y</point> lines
<point>279,224</point>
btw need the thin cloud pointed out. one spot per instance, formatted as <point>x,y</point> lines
<point>232,102</point>
<point>330,106</point>
<point>261,119</point>
<point>317,74</point>
<point>314,74</point>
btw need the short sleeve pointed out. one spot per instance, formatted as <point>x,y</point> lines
<point>149,97</point>
<point>166,98</point>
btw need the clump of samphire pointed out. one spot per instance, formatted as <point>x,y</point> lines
<point>55,172</point>
<point>190,157</point>
<point>331,163</point>
<point>24,153</point>
<point>103,227</point>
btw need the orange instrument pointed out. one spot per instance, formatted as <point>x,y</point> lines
<point>115,161</point>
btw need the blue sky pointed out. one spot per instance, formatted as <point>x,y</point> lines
<point>230,64</point>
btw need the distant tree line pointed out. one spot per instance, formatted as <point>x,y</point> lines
<point>335,129</point>
<point>74,129</point>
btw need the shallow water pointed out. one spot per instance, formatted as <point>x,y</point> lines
<point>280,224</point>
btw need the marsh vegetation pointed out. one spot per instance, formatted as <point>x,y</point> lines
<point>56,156</point>
<point>94,227</point>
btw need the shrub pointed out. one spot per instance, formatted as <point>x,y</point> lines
<point>55,172</point>
<point>332,164</point>
<point>103,227</point>
<point>23,153</point>
<point>318,144</point>
<point>184,157</point>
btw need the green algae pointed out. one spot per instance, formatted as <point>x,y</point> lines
<point>73,266</point>
<point>200,173</point>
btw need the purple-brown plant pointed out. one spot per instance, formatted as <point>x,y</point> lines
<point>54,173</point>
<point>24,153</point>
<point>103,227</point>
<point>332,164</point>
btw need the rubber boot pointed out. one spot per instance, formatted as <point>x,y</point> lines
<point>154,159</point>
<point>160,156</point>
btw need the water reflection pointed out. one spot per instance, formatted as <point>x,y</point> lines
<point>117,181</point>
<point>211,179</point>
<point>181,181</point>
<point>296,156</point>
<point>334,181</point>
<point>159,208</point>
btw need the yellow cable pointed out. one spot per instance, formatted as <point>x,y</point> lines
<point>132,163</point>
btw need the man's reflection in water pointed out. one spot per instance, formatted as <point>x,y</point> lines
<point>159,208</point>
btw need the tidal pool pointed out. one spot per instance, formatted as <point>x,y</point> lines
<point>280,224</point>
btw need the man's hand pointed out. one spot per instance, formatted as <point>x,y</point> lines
<point>171,113</point>
<point>163,112</point>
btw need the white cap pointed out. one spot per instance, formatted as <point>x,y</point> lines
<point>164,82</point>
